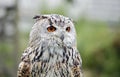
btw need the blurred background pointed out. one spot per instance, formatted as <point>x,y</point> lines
<point>98,32</point>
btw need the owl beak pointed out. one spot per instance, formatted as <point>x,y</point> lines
<point>62,37</point>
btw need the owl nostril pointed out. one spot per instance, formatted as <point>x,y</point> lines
<point>62,37</point>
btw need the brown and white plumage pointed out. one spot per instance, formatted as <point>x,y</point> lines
<point>52,50</point>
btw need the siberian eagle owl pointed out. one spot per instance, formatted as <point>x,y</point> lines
<point>52,50</point>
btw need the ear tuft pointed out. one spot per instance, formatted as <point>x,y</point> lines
<point>40,17</point>
<point>36,17</point>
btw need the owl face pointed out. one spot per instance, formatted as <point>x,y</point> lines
<point>54,27</point>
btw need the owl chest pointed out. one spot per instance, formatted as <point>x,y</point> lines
<point>54,55</point>
<point>53,62</point>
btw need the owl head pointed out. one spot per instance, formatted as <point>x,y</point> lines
<point>53,27</point>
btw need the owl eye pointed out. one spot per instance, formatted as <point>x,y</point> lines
<point>51,29</point>
<point>68,29</point>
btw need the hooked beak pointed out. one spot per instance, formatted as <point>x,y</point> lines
<point>62,37</point>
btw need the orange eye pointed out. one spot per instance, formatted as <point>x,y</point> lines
<point>68,29</point>
<point>51,29</point>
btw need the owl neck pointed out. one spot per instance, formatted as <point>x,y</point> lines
<point>51,50</point>
<point>54,54</point>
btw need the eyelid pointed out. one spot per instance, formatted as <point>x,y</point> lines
<point>51,29</point>
<point>68,29</point>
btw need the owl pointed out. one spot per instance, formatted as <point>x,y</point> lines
<point>52,49</point>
